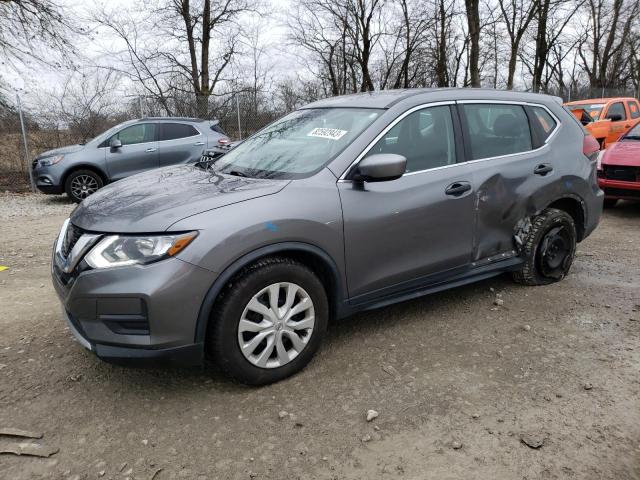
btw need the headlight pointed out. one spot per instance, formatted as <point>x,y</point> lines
<point>117,250</point>
<point>47,162</point>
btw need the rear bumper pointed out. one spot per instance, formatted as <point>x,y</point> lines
<point>620,189</point>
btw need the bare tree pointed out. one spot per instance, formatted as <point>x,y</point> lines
<point>517,16</point>
<point>610,23</point>
<point>32,29</point>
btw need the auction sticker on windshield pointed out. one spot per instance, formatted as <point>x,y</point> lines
<point>332,133</point>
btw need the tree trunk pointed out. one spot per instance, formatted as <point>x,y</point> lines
<point>473,22</point>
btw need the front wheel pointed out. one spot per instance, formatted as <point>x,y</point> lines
<point>548,249</point>
<point>82,183</point>
<point>268,323</point>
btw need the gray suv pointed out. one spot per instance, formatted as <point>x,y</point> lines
<point>129,148</point>
<point>347,204</point>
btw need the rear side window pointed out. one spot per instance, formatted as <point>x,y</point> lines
<point>545,120</point>
<point>634,111</point>
<point>617,109</point>
<point>496,129</point>
<point>173,131</point>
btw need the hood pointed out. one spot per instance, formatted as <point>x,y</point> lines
<point>155,200</point>
<point>61,151</point>
<point>623,153</point>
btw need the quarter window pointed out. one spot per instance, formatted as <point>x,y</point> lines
<point>634,111</point>
<point>545,121</point>
<point>425,138</point>
<point>617,109</point>
<point>139,133</point>
<point>497,129</point>
<point>173,131</point>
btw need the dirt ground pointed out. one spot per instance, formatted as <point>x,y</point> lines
<point>457,381</point>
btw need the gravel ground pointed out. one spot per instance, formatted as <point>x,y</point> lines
<point>461,385</point>
<point>15,205</point>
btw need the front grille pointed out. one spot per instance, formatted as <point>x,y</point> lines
<point>70,238</point>
<point>621,173</point>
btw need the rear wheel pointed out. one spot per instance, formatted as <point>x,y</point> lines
<point>268,322</point>
<point>82,183</point>
<point>548,249</point>
<point>610,202</point>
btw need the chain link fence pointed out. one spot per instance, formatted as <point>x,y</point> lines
<point>24,133</point>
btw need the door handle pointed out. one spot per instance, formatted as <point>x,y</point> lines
<point>457,188</point>
<point>198,144</point>
<point>543,169</point>
<point>151,150</point>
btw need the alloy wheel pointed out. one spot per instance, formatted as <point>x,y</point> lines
<point>83,185</point>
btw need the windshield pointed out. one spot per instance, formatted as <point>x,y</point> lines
<point>593,109</point>
<point>297,145</point>
<point>633,134</point>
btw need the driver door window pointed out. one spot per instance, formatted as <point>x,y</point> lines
<point>425,138</point>
<point>140,133</point>
<point>617,109</point>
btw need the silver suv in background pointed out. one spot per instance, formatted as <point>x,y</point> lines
<point>126,149</point>
<point>347,204</point>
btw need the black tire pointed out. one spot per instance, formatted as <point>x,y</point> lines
<point>548,249</point>
<point>222,335</point>
<point>610,202</point>
<point>73,185</point>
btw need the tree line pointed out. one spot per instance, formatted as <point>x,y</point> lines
<point>201,57</point>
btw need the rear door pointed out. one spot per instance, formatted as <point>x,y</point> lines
<point>139,151</point>
<point>180,143</point>
<point>507,165</point>
<point>400,233</point>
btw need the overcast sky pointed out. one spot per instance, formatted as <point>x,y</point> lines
<point>32,79</point>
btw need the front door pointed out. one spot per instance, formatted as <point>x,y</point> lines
<point>619,122</point>
<point>398,233</point>
<point>139,151</point>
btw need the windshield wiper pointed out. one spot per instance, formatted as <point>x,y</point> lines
<point>236,173</point>
<point>632,137</point>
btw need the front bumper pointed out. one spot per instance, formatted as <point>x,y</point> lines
<point>620,189</point>
<point>142,313</point>
<point>49,179</point>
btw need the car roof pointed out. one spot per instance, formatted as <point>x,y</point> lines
<point>598,100</point>
<point>388,98</point>
<point>172,119</point>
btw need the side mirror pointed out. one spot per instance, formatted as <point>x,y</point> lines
<point>380,167</point>
<point>115,143</point>
<point>614,117</point>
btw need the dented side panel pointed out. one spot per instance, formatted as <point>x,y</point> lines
<point>508,192</point>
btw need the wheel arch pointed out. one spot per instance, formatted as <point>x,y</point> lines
<point>576,208</point>
<point>319,261</point>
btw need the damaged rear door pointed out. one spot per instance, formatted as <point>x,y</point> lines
<point>510,169</point>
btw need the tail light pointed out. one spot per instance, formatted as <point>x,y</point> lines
<point>224,141</point>
<point>590,147</point>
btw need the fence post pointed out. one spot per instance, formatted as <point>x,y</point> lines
<point>27,158</point>
<point>238,110</point>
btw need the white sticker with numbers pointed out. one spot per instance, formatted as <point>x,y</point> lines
<point>332,133</point>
